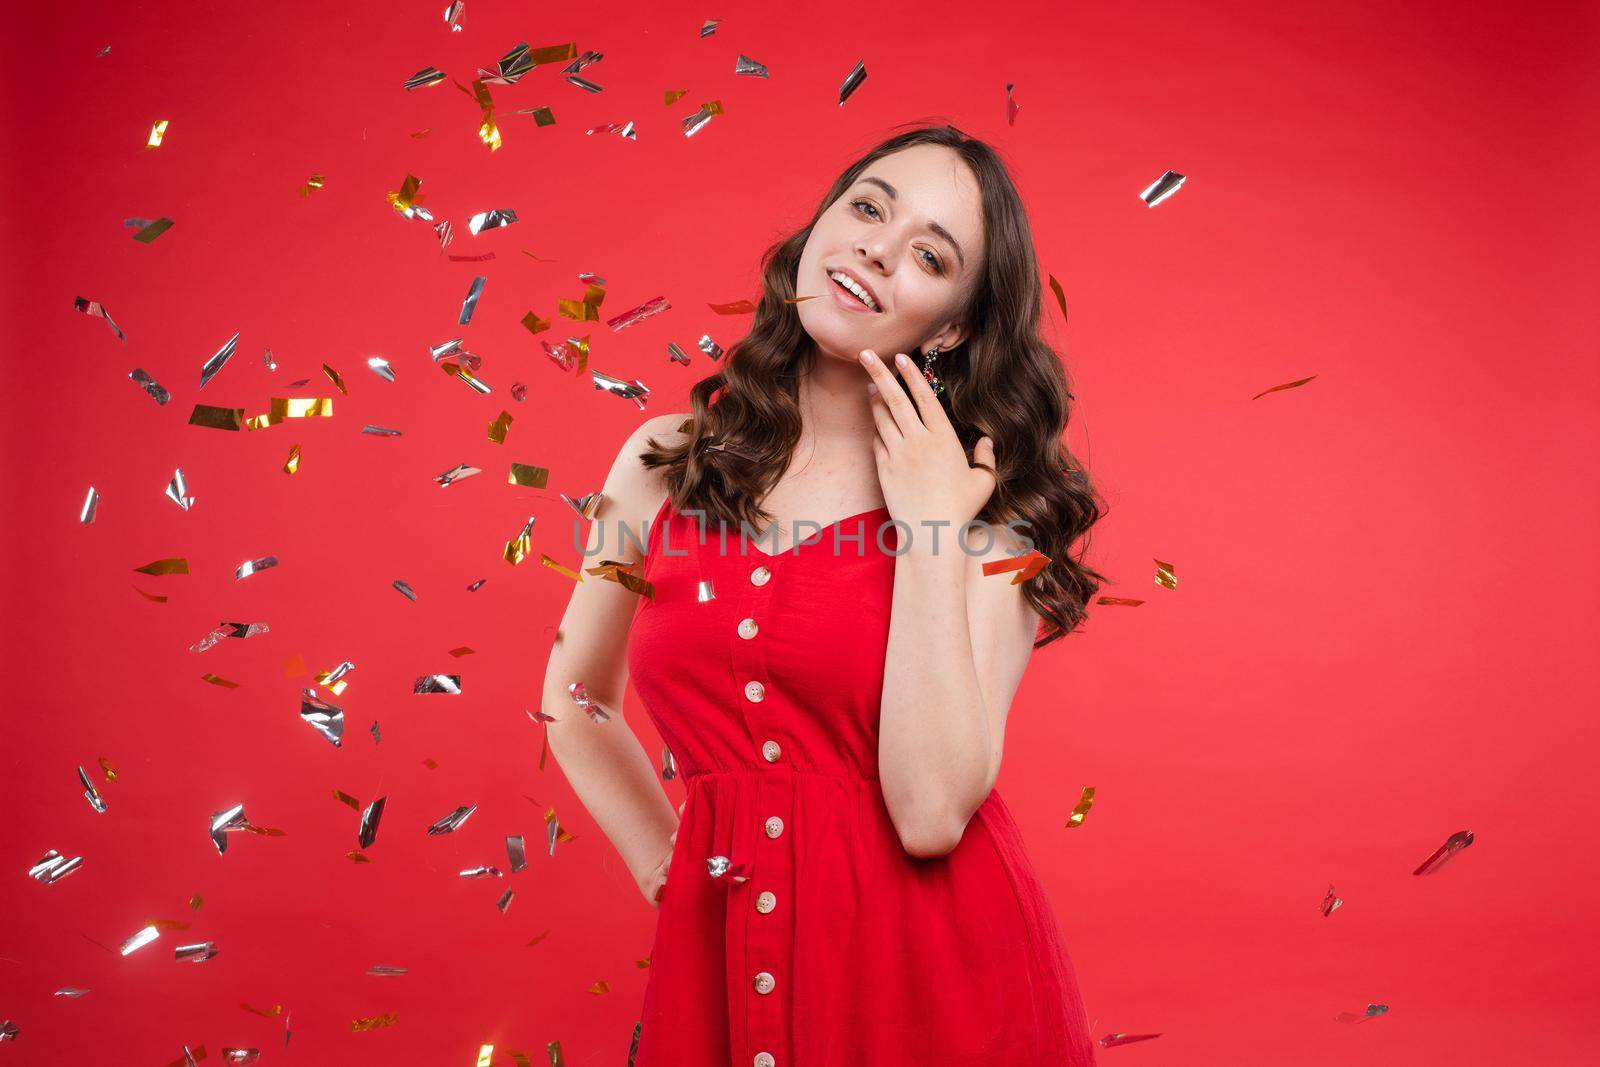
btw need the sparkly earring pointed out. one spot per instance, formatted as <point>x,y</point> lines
<point>928,362</point>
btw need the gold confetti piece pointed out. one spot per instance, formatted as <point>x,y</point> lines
<point>174,565</point>
<point>692,124</point>
<point>94,309</point>
<point>157,132</point>
<point>1165,576</point>
<point>266,1013</point>
<point>622,574</point>
<point>423,133</point>
<point>519,547</point>
<point>737,307</point>
<point>302,407</point>
<point>534,323</point>
<point>542,116</point>
<point>672,96</point>
<point>195,902</point>
<point>462,651</point>
<point>107,769</point>
<point>1012,107</point>
<point>338,382</point>
<point>1285,385</point>
<point>1441,855</point>
<point>292,464</point>
<point>1061,296</point>
<point>528,475</point>
<point>486,1052</point>
<point>1085,802</point>
<point>559,569</point>
<point>588,505</point>
<point>150,596</point>
<point>642,964</point>
<point>346,799</point>
<point>375,1021</point>
<point>498,428</point>
<point>1119,601</point>
<point>1162,187</point>
<point>553,1049</point>
<point>214,680</point>
<point>600,987</point>
<point>431,764</point>
<point>153,230</point>
<point>217,418</point>
<point>335,680</point>
<point>1026,566</point>
<point>357,856</point>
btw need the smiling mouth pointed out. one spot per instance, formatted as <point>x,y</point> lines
<point>851,294</point>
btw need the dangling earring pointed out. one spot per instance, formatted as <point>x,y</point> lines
<point>928,362</point>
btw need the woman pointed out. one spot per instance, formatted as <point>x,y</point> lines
<point>846,885</point>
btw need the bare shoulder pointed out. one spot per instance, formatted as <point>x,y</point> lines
<point>633,493</point>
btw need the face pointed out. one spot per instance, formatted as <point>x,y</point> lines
<point>911,231</point>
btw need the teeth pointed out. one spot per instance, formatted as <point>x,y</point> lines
<point>846,281</point>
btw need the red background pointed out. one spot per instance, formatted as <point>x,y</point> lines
<point>1386,576</point>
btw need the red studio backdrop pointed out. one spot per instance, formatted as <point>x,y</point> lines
<point>1385,575</point>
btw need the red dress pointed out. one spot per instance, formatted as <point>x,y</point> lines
<point>841,948</point>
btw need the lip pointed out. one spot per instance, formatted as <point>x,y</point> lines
<point>859,280</point>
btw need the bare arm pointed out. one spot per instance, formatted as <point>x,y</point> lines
<point>609,769</point>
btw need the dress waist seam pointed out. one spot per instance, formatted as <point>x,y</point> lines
<point>768,772</point>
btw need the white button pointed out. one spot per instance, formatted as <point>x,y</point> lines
<point>766,902</point>
<point>774,826</point>
<point>770,751</point>
<point>747,628</point>
<point>764,982</point>
<point>754,692</point>
<point>759,576</point>
<point>764,1059</point>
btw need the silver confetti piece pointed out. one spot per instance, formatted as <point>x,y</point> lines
<point>638,314</point>
<point>746,65</point>
<point>326,718</point>
<point>487,871</point>
<point>588,57</point>
<point>517,851</point>
<point>709,27</point>
<point>380,366</point>
<point>852,80</point>
<point>676,354</point>
<point>692,123</point>
<point>446,233</point>
<point>178,491</point>
<point>669,764</point>
<point>707,591</point>
<point>709,347</point>
<point>266,357</point>
<point>380,431</point>
<point>68,991</point>
<point>587,505</point>
<point>377,735</point>
<point>235,1057</point>
<point>717,866</point>
<point>149,385</point>
<point>580,696</point>
<point>386,972</point>
<point>405,590</point>
<point>369,822</point>
<point>425,77</point>
<point>438,683</point>
<point>1162,188</point>
<point>90,793</point>
<point>94,309</point>
<point>636,390</point>
<point>505,900</point>
<point>197,953</point>
<point>552,832</point>
<point>140,939</point>
<point>491,220</point>
<point>511,67</point>
<point>453,13</point>
<point>254,566</point>
<point>8,1029</point>
<point>1441,855</point>
<point>224,821</point>
<point>452,822</point>
<point>447,348</point>
<point>218,360</point>
<point>621,129</point>
<point>456,473</point>
<point>470,304</point>
<point>90,502</point>
<point>53,867</point>
<point>334,675</point>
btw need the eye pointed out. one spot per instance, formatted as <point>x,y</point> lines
<point>933,259</point>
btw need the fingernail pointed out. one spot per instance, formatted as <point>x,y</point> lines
<point>866,356</point>
<point>901,359</point>
<point>872,388</point>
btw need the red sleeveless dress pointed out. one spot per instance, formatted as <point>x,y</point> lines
<point>840,948</point>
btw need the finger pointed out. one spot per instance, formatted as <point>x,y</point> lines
<point>888,429</point>
<point>928,405</point>
<point>891,393</point>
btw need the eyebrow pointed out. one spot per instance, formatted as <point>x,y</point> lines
<point>934,226</point>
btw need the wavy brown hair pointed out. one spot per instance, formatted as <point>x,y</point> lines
<point>1003,381</point>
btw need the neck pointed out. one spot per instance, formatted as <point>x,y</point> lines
<point>836,412</point>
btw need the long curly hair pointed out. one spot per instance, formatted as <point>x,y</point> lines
<point>1003,381</point>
